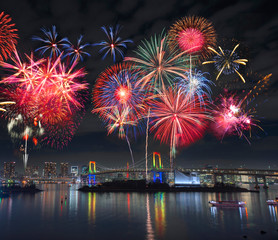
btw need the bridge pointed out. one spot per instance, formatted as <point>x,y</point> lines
<point>156,167</point>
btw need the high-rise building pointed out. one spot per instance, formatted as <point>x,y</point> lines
<point>32,171</point>
<point>84,169</point>
<point>74,171</point>
<point>50,169</point>
<point>64,169</point>
<point>9,169</point>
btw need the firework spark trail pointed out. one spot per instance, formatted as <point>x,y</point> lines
<point>5,103</point>
<point>8,36</point>
<point>147,141</point>
<point>130,150</point>
<point>158,63</point>
<point>113,44</point>
<point>259,86</point>
<point>118,119</point>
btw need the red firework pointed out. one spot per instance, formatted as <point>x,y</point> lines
<point>193,35</point>
<point>46,89</point>
<point>191,40</point>
<point>178,119</point>
<point>8,36</point>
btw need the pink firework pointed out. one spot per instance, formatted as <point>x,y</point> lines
<point>193,35</point>
<point>191,40</point>
<point>177,119</point>
<point>231,118</point>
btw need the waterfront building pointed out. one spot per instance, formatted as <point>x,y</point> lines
<point>64,169</point>
<point>9,170</point>
<point>32,171</point>
<point>50,169</point>
<point>84,169</point>
<point>186,179</point>
<point>74,171</point>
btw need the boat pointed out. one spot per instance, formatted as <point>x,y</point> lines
<point>272,202</point>
<point>227,203</point>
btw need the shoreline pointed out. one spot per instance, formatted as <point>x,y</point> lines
<point>170,189</point>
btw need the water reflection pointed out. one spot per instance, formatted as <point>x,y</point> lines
<point>92,207</point>
<point>149,227</point>
<point>159,207</point>
<point>273,213</point>
<point>135,215</point>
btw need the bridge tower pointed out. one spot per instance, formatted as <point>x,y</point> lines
<point>157,167</point>
<point>92,172</point>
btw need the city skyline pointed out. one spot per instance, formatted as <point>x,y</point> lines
<point>252,24</point>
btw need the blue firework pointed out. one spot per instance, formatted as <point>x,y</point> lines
<point>195,84</point>
<point>113,44</point>
<point>76,52</point>
<point>51,42</point>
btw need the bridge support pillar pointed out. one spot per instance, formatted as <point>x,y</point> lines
<point>256,180</point>
<point>92,179</point>
<point>214,177</point>
<point>265,183</point>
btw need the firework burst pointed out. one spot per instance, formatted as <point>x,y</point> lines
<point>51,42</point>
<point>46,89</point>
<point>114,43</point>
<point>195,84</point>
<point>227,62</point>
<point>8,36</point>
<point>158,62</point>
<point>119,86</point>
<point>176,119</point>
<point>118,119</point>
<point>76,52</point>
<point>231,118</point>
<point>193,35</point>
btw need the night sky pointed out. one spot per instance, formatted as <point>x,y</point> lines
<point>253,23</point>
